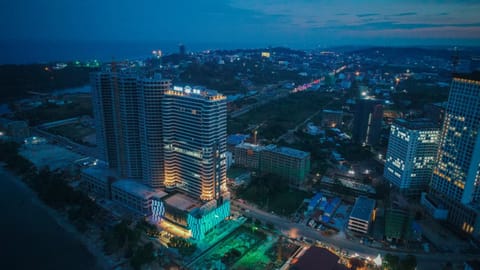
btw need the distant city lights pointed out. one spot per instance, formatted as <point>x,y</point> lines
<point>157,53</point>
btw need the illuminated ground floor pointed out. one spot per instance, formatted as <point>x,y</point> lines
<point>188,218</point>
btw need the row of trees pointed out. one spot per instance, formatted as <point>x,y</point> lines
<point>185,248</point>
<point>393,262</point>
<point>126,238</point>
<point>17,80</point>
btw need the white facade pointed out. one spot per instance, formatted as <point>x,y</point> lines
<point>195,141</point>
<point>412,149</point>
<point>151,95</point>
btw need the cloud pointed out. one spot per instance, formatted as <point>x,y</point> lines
<point>367,15</point>
<point>404,14</point>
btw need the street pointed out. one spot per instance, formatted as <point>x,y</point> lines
<point>425,260</point>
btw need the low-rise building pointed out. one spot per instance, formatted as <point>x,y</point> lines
<point>98,179</point>
<point>14,130</point>
<point>318,258</point>
<point>135,196</point>
<point>434,207</point>
<point>363,214</point>
<point>247,155</point>
<point>184,216</point>
<point>288,163</point>
<point>332,118</point>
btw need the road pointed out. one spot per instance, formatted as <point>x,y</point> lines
<point>425,260</point>
<point>67,143</point>
<point>290,131</point>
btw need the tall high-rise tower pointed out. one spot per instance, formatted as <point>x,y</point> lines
<point>115,107</point>
<point>165,137</point>
<point>367,122</point>
<point>151,109</point>
<point>456,177</point>
<point>194,137</point>
<point>411,154</point>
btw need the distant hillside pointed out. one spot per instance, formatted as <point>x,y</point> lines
<point>401,52</point>
<point>17,80</point>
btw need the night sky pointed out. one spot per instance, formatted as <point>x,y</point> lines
<point>284,22</point>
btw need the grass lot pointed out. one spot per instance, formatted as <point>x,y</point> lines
<point>273,194</point>
<point>280,203</point>
<point>81,105</point>
<point>281,115</point>
<point>76,132</point>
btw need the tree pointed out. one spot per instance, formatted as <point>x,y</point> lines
<point>409,262</point>
<point>142,255</point>
<point>270,225</point>
<point>391,261</point>
<point>185,248</point>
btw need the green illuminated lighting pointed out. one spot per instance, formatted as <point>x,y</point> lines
<point>199,226</point>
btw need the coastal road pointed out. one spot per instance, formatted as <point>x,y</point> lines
<point>425,260</point>
<point>67,143</point>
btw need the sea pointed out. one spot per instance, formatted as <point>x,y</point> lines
<point>30,238</point>
<point>28,52</point>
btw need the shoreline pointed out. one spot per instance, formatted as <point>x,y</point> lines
<point>102,261</point>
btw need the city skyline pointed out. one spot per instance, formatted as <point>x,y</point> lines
<point>302,24</point>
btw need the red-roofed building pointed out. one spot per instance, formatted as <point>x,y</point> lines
<point>316,258</point>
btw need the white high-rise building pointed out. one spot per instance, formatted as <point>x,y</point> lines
<point>165,137</point>
<point>151,93</point>
<point>456,177</point>
<point>194,137</point>
<point>411,154</point>
<point>171,139</point>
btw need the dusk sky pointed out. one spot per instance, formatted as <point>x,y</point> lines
<point>292,23</point>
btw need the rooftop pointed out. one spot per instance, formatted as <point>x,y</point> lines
<point>236,139</point>
<point>417,124</point>
<point>332,111</point>
<point>475,76</point>
<point>290,152</point>
<point>138,189</point>
<point>195,91</point>
<point>248,146</point>
<point>182,202</point>
<point>363,208</point>
<point>316,258</point>
<point>100,171</point>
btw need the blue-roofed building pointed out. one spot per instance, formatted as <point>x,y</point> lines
<point>362,215</point>
<point>236,139</point>
<point>314,201</point>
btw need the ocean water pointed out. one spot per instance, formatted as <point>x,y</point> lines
<point>27,52</point>
<point>30,238</point>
